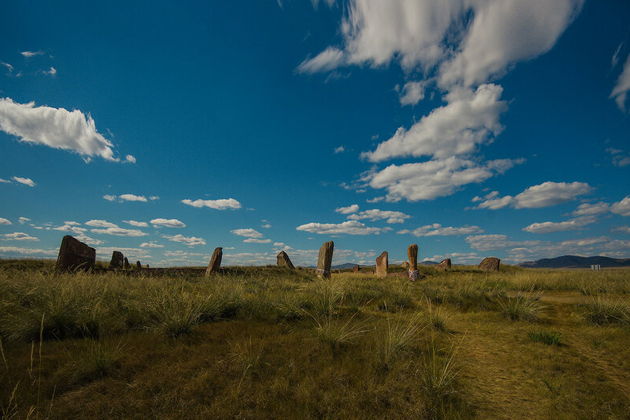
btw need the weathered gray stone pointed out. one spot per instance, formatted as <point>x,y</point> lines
<point>324,260</point>
<point>117,260</point>
<point>74,255</point>
<point>215,261</point>
<point>283,260</point>
<point>356,268</point>
<point>444,265</point>
<point>126,264</point>
<point>382,264</point>
<point>490,264</point>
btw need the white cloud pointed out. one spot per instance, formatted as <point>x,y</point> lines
<point>347,210</point>
<point>169,223</point>
<point>437,229</point>
<point>221,204</point>
<point>188,240</point>
<point>136,223</point>
<point>591,209</point>
<point>23,220</point>
<point>257,241</point>
<point>7,66</point>
<point>541,195</point>
<point>350,227</point>
<point>154,197</point>
<point>622,207</point>
<point>109,197</point>
<point>412,93</point>
<point>622,229</point>
<point>434,178</point>
<point>26,181</point>
<point>247,233</point>
<point>4,181</point>
<point>4,221</point>
<point>26,251</point>
<point>100,223</point>
<point>51,71</point>
<point>151,244</point>
<point>19,236</point>
<point>548,227</point>
<point>29,54</point>
<point>468,41</point>
<point>495,241</point>
<point>118,231</point>
<point>326,60</point>
<point>620,91</point>
<point>339,149</point>
<point>54,127</point>
<point>130,158</point>
<point>132,197</point>
<point>470,119</point>
<point>376,214</point>
<point>619,158</point>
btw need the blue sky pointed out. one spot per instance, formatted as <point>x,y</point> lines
<point>164,129</point>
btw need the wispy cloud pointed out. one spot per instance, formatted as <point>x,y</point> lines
<point>29,54</point>
<point>4,221</point>
<point>437,229</point>
<point>350,227</point>
<point>187,240</point>
<point>19,236</point>
<point>168,223</point>
<point>571,224</point>
<point>542,195</point>
<point>620,91</point>
<point>25,181</point>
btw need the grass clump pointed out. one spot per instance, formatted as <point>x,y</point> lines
<point>521,308</point>
<point>396,336</point>
<point>550,338</point>
<point>601,311</point>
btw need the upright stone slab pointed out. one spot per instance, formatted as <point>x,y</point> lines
<point>356,268</point>
<point>74,255</point>
<point>117,260</point>
<point>324,260</point>
<point>283,260</point>
<point>490,264</point>
<point>126,264</point>
<point>138,265</point>
<point>444,265</point>
<point>412,253</point>
<point>215,261</point>
<point>382,264</point>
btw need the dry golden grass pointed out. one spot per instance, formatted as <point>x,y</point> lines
<point>270,343</point>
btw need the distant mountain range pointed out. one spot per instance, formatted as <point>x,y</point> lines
<point>573,261</point>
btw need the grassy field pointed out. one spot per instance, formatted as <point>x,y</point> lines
<point>273,343</point>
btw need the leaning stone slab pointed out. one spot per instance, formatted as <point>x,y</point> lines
<point>283,260</point>
<point>324,260</point>
<point>74,255</point>
<point>126,264</point>
<point>138,265</point>
<point>382,264</point>
<point>444,265</point>
<point>490,264</point>
<point>215,261</point>
<point>412,253</point>
<point>356,268</point>
<point>117,260</point>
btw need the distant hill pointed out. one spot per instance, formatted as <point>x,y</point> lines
<point>573,261</point>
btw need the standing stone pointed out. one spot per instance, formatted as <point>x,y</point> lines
<point>444,265</point>
<point>412,253</point>
<point>117,260</point>
<point>382,264</point>
<point>215,261</point>
<point>324,260</point>
<point>490,264</point>
<point>283,260</point>
<point>356,268</point>
<point>138,265</point>
<point>126,264</point>
<point>75,255</point>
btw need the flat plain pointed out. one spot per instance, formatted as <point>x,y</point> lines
<point>270,342</point>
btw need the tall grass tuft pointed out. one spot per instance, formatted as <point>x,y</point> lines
<point>397,335</point>
<point>437,374</point>
<point>521,308</point>
<point>601,311</point>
